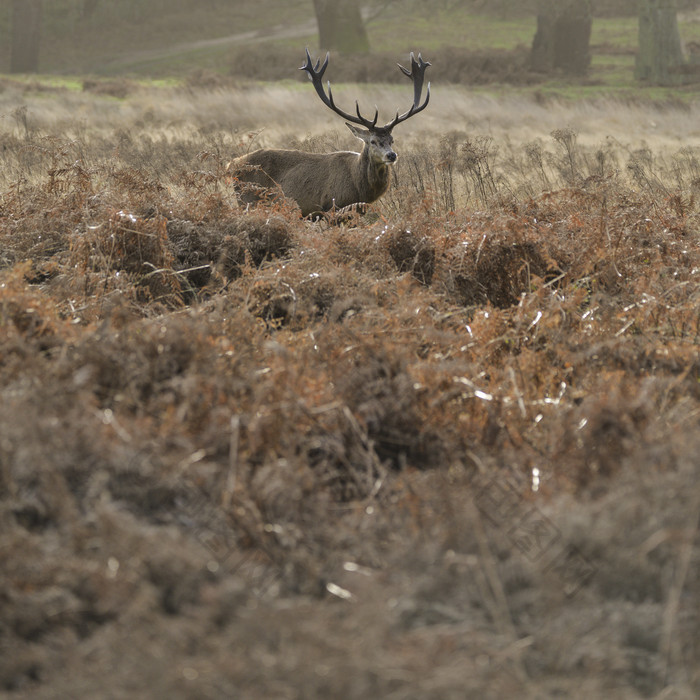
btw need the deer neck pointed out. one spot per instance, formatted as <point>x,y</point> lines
<point>374,175</point>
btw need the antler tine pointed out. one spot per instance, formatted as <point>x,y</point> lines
<point>309,65</point>
<point>417,75</point>
<point>316,76</point>
<point>366,122</point>
<point>418,67</point>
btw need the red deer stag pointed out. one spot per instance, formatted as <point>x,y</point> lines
<point>323,182</point>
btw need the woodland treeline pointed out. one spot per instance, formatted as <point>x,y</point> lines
<point>561,42</point>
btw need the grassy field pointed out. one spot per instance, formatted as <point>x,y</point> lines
<point>446,450</point>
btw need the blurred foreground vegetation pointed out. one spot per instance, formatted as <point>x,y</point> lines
<point>231,435</point>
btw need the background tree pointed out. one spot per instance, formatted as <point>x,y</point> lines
<point>563,36</point>
<point>660,56</point>
<point>340,26</point>
<point>26,36</point>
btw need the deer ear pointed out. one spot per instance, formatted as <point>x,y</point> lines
<point>361,134</point>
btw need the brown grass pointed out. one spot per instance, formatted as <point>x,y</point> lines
<point>245,453</point>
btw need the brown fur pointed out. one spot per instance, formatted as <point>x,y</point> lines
<point>316,182</point>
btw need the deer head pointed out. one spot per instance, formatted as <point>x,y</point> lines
<point>378,139</point>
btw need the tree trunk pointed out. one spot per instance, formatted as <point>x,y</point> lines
<point>340,26</point>
<point>562,40</point>
<point>26,34</point>
<point>660,57</point>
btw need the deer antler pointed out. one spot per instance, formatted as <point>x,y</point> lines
<point>417,75</point>
<point>316,75</point>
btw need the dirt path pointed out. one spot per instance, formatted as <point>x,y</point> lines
<point>252,37</point>
<point>279,31</point>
